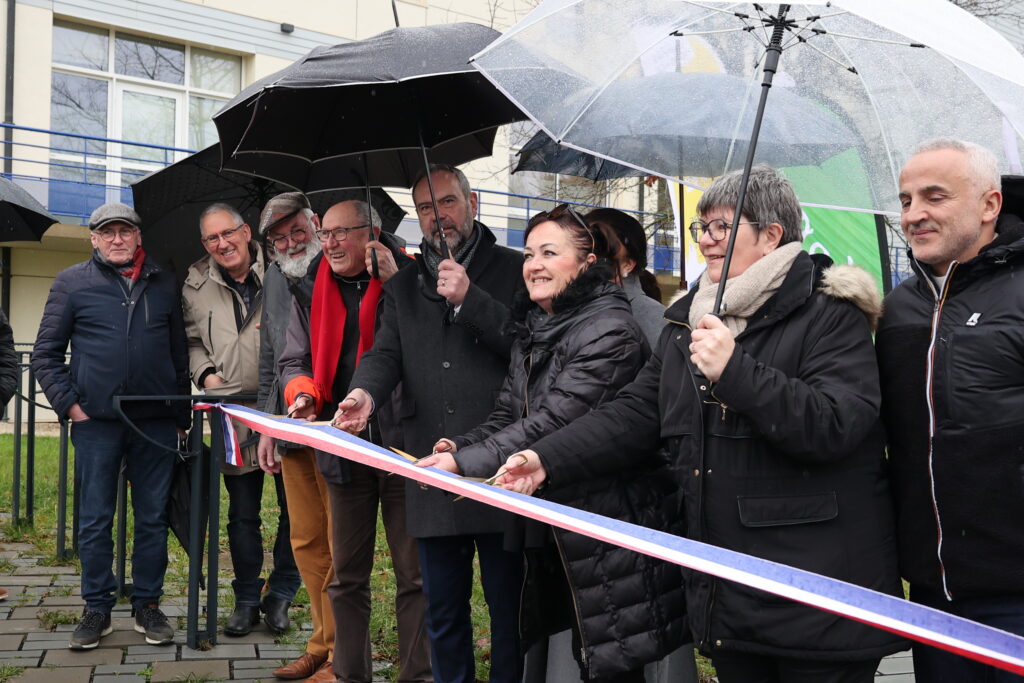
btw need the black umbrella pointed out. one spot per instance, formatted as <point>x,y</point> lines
<point>22,218</point>
<point>405,89</point>
<point>544,155</point>
<point>171,199</point>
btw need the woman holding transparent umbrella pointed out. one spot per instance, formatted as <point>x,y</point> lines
<point>770,414</point>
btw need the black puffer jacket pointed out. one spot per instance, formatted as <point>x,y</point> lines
<point>121,342</point>
<point>628,606</point>
<point>10,374</point>
<point>783,461</point>
<point>964,482</point>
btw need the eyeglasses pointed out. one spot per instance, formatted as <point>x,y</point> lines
<point>559,212</point>
<point>339,234</point>
<point>716,228</point>
<point>210,240</point>
<point>108,235</point>
<point>281,241</point>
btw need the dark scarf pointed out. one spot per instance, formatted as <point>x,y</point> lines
<point>327,327</point>
<point>464,255</point>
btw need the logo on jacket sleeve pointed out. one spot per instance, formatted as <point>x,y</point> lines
<point>973,320</point>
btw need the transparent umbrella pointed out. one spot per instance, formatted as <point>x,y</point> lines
<point>894,73</point>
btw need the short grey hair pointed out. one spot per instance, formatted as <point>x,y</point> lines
<point>447,168</point>
<point>983,163</point>
<point>367,216</point>
<point>770,199</point>
<point>217,207</point>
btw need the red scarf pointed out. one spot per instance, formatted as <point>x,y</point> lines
<point>327,327</point>
<point>133,269</point>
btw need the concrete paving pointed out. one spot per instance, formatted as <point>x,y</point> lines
<point>38,592</point>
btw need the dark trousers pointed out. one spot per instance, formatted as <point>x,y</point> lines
<point>100,448</point>
<point>354,507</point>
<point>245,495</point>
<point>447,566</point>
<point>932,665</point>
<point>735,667</point>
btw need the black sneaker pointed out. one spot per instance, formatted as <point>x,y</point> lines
<point>151,621</point>
<point>93,626</point>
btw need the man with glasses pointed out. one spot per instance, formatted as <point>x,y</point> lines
<point>444,336</point>
<point>223,298</point>
<point>333,321</point>
<point>288,226</point>
<point>121,313</point>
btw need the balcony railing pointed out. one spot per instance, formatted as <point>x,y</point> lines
<point>71,174</point>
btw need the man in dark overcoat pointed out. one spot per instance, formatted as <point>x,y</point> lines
<point>444,335</point>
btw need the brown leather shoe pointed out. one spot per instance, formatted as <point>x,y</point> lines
<point>325,674</point>
<point>303,667</point>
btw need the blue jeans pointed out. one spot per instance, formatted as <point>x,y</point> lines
<point>446,564</point>
<point>100,448</point>
<point>245,496</point>
<point>932,665</point>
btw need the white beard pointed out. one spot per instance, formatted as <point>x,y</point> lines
<point>297,267</point>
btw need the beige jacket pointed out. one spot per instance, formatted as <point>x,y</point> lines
<point>215,341</point>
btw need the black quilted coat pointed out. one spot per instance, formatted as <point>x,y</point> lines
<point>960,493</point>
<point>782,459</point>
<point>628,607</point>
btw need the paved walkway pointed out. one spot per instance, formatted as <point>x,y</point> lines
<point>40,593</point>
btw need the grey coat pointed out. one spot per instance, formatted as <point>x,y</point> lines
<point>649,314</point>
<point>451,371</point>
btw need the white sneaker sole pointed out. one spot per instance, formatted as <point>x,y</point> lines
<point>105,632</point>
<point>153,641</point>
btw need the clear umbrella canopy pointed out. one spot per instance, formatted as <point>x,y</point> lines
<point>597,75</point>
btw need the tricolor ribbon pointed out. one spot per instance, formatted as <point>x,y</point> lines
<point>232,449</point>
<point>924,624</point>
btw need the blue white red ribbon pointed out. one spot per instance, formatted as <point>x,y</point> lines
<point>930,626</point>
<point>232,449</point>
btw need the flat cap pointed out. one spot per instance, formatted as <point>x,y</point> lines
<point>114,212</point>
<point>284,205</point>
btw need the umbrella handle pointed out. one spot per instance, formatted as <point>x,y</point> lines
<point>374,268</point>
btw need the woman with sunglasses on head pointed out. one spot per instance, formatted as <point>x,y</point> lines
<point>577,345</point>
<point>640,285</point>
<point>770,414</point>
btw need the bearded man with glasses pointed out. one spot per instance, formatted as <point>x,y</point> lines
<point>223,300</point>
<point>121,314</point>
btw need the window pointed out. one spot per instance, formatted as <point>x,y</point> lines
<point>112,84</point>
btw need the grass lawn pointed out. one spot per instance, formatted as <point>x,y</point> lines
<point>383,627</point>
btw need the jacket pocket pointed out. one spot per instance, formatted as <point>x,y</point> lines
<point>767,511</point>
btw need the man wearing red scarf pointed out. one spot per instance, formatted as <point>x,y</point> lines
<point>333,320</point>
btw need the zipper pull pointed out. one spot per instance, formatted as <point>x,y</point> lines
<point>724,409</point>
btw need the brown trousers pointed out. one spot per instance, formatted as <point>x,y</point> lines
<point>309,512</point>
<point>354,523</point>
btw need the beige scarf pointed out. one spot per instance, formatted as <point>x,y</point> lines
<point>746,292</point>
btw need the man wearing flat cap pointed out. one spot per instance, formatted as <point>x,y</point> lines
<point>121,313</point>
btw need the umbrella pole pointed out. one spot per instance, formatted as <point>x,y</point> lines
<point>375,270</point>
<point>445,251</point>
<point>771,65</point>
